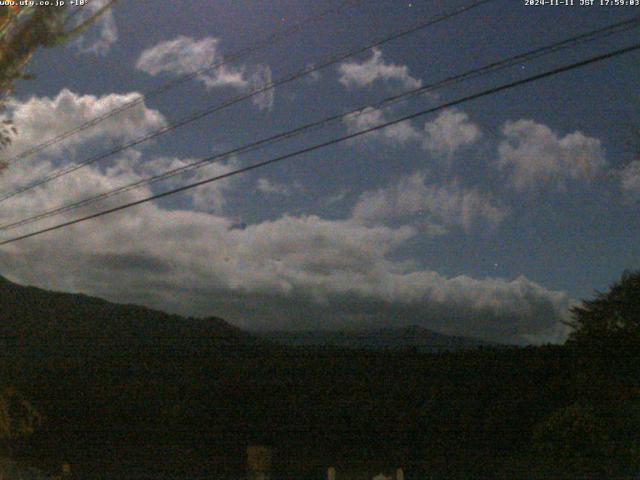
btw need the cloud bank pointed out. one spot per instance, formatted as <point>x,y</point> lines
<point>294,271</point>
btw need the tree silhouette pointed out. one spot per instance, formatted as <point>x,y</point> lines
<point>612,319</point>
<point>574,440</point>
<point>24,29</point>
<point>606,339</point>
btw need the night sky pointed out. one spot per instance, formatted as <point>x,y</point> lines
<point>488,219</point>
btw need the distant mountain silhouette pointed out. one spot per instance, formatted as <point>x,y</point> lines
<point>37,321</point>
<point>65,324</point>
<point>389,338</point>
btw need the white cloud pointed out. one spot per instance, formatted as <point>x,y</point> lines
<point>267,186</point>
<point>40,118</point>
<point>184,55</point>
<point>364,74</point>
<point>443,136</point>
<point>210,197</point>
<point>533,155</point>
<point>102,35</point>
<point>438,207</point>
<point>399,134</point>
<point>629,177</point>
<point>364,119</point>
<point>450,131</point>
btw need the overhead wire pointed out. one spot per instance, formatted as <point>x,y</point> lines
<point>271,85</point>
<point>334,141</point>
<point>270,40</point>
<point>385,103</point>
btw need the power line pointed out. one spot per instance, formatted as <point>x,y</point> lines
<point>202,113</point>
<point>475,73</point>
<point>272,39</point>
<point>484,93</point>
<point>210,110</point>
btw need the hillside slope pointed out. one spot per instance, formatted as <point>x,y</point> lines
<point>37,321</point>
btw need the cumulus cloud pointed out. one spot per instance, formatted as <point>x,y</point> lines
<point>40,116</point>
<point>439,207</point>
<point>210,197</point>
<point>450,131</point>
<point>99,38</point>
<point>184,55</point>
<point>629,177</point>
<point>444,136</point>
<point>364,74</point>
<point>532,155</point>
<point>400,133</point>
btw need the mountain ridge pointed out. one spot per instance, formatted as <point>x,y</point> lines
<point>385,338</point>
<point>56,323</point>
<point>77,316</point>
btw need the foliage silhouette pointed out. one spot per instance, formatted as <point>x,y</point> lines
<point>24,29</point>
<point>612,319</point>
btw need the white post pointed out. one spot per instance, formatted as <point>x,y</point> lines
<point>331,473</point>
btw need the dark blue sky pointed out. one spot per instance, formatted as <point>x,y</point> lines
<point>503,210</point>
